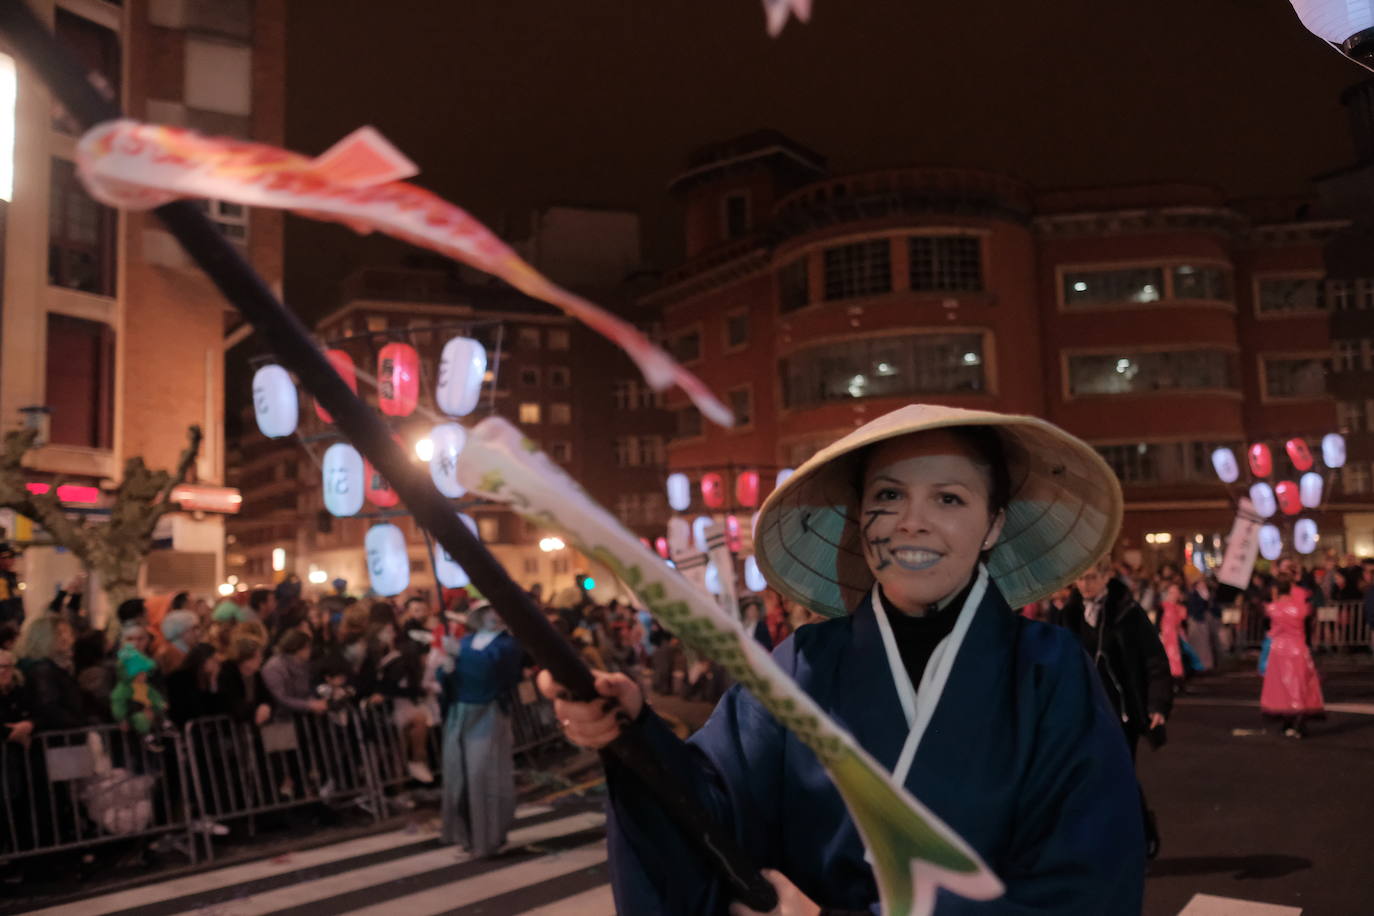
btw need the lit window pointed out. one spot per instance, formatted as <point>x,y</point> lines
<point>81,235</point>
<point>1147,372</point>
<point>529,412</point>
<point>489,528</point>
<point>560,413</point>
<point>1298,377</point>
<point>219,77</point>
<point>528,338</point>
<point>1140,463</point>
<point>946,263</point>
<point>888,366</point>
<point>558,339</point>
<point>376,323</point>
<point>860,269</point>
<point>1092,288</point>
<point>1347,355</point>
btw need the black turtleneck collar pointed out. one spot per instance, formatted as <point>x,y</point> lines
<point>917,637</point>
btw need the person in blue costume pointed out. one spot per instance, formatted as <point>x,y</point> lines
<point>478,804</point>
<point>919,533</point>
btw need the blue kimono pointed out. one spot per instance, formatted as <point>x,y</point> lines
<point>1022,757</point>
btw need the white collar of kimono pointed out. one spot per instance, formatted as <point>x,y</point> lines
<point>483,638</point>
<point>918,704</point>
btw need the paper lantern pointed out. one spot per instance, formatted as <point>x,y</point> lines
<point>679,491</point>
<point>378,490</point>
<point>712,579</point>
<point>462,368</point>
<point>1261,461</point>
<point>388,563</point>
<point>1337,21</point>
<point>448,440</point>
<point>1310,490</point>
<point>747,489</point>
<point>446,569</point>
<point>274,401</point>
<point>1333,450</point>
<point>783,475</point>
<point>661,546</point>
<point>1305,535</point>
<point>699,526</point>
<point>1262,496</point>
<point>732,539</point>
<point>753,577</point>
<point>1288,499</point>
<point>713,490</point>
<point>343,364</point>
<point>343,480</point>
<point>1299,454</point>
<point>1224,461</point>
<point>679,535</point>
<point>398,379</point>
<point>1270,542</point>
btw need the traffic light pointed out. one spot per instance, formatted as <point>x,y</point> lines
<point>584,581</point>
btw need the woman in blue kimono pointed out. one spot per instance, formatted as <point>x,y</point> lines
<point>918,533</point>
<point>478,804</point>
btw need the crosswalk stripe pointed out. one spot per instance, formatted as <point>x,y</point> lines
<point>270,869</point>
<point>308,893</point>
<point>1209,905</point>
<point>541,893</point>
<point>596,902</point>
<point>445,898</point>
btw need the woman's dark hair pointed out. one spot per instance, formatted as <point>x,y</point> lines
<point>9,635</point>
<point>131,610</point>
<point>381,613</point>
<point>292,641</point>
<point>180,600</point>
<point>335,665</point>
<point>195,659</point>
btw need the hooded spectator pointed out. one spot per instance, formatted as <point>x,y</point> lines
<point>181,630</point>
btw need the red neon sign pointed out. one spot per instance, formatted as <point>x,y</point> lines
<point>68,492</point>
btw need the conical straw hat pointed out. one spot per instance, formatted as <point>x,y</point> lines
<point>1064,511</point>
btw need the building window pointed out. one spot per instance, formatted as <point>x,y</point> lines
<point>230,219</point>
<point>1347,356</point>
<point>219,77</point>
<point>559,377</point>
<point>558,339</point>
<point>1279,295</point>
<point>1350,415</point>
<point>376,324</point>
<point>946,263</point>
<point>1143,373</point>
<point>686,346</point>
<point>651,450</point>
<point>884,367</point>
<point>489,529</point>
<point>741,402</point>
<point>688,423</point>
<point>632,394</point>
<point>794,286</point>
<point>1296,377</point>
<point>638,451</point>
<point>97,50</point>
<point>531,566</point>
<point>560,452</point>
<point>529,412</point>
<point>736,329</point>
<point>735,214</point>
<point>81,236</point>
<point>1190,282</point>
<point>860,269</point>
<point>529,377</point>
<point>1092,288</point>
<point>560,413</point>
<point>527,338</point>
<point>80,381</point>
<point>1163,462</point>
<point>626,451</point>
<point>1355,477</point>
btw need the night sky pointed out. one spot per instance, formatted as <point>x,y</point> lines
<point>508,105</point>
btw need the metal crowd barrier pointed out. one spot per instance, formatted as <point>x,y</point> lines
<point>1339,626</point>
<point>532,718</point>
<point>84,787</point>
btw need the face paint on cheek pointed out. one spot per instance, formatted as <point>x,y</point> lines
<point>876,547</point>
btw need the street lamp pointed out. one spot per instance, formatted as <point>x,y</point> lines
<point>424,449</point>
<point>550,544</point>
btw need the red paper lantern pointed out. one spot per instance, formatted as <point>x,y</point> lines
<point>1299,454</point>
<point>1289,498</point>
<point>1261,462</point>
<point>343,364</point>
<point>747,489</point>
<point>379,492</point>
<point>732,540</point>
<point>398,379</point>
<point>713,490</point>
<point>661,545</point>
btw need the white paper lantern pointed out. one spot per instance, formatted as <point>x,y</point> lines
<point>462,367</point>
<point>1335,20</point>
<point>1333,450</point>
<point>679,536</point>
<point>699,526</point>
<point>449,573</point>
<point>388,563</point>
<point>447,440</point>
<point>1224,461</point>
<point>679,492</point>
<point>712,579</point>
<point>1270,542</point>
<point>1262,496</point>
<point>1310,490</point>
<point>1305,535</point>
<point>343,480</point>
<point>783,475</point>
<point>275,404</point>
<point>753,578</point>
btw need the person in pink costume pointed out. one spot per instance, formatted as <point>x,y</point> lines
<point>1292,691</point>
<point>1172,614</point>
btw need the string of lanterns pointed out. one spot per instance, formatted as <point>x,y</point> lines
<point>1285,498</point>
<point>348,480</point>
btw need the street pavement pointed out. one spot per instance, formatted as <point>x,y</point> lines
<point>1253,824</point>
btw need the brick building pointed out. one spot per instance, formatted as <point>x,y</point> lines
<point>112,340</point>
<point>1155,322</point>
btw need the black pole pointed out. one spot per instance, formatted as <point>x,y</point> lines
<point>291,341</point>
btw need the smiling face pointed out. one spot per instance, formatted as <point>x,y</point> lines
<point>924,517</point>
